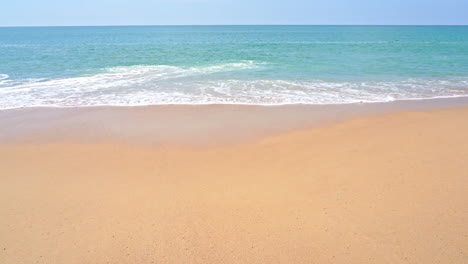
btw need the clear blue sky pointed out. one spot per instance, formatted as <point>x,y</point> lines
<point>207,12</point>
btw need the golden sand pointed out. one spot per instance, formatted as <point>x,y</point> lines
<point>385,189</point>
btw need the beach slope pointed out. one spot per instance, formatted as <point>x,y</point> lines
<point>381,189</point>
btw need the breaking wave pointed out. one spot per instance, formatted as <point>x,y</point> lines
<point>163,84</point>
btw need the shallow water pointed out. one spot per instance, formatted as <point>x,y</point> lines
<point>264,65</point>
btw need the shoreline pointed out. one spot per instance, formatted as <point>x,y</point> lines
<point>444,100</point>
<point>191,125</point>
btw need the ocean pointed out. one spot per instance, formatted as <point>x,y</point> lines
<point>259,65</point>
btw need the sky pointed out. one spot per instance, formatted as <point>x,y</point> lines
<point>232,12</point>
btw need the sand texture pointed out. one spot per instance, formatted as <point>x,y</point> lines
<point>381,189</point>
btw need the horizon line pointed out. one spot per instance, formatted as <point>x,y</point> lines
<point>175,25</point>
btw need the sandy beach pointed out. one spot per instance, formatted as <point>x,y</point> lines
<point>382,188</point>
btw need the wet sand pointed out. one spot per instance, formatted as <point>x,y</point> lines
<point>376,188</point>
<point>187,125</point>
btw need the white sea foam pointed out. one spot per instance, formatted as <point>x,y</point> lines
<point>161,84</point>
<point>3,79</point>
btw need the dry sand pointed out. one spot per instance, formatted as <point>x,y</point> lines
<point>382,189</point>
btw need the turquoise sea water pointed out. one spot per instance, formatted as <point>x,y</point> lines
<point>145,65</point>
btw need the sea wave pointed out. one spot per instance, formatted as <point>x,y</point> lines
<point>3,79</point>
<point>164,84</point>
